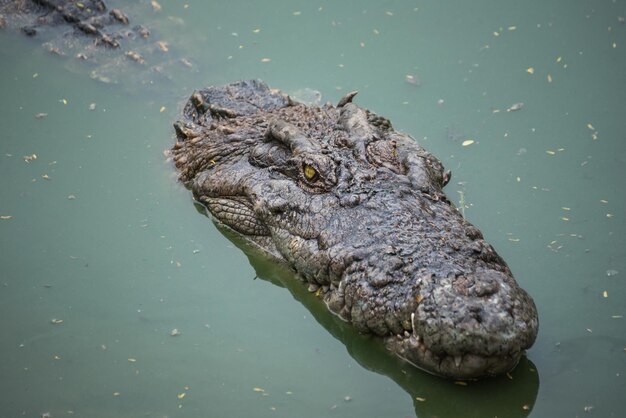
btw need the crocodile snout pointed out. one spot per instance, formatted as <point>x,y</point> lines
<point>469,326</point>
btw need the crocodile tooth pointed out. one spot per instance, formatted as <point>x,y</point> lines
<point>413,324</point>
<point>457,360</point>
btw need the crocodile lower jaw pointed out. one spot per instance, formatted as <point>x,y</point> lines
<point>465,366</point>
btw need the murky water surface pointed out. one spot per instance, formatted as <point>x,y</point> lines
<point>103,254</point>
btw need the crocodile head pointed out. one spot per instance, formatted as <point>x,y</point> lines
<point>357,209</point>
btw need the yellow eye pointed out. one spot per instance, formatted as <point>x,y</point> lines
<point>309,172</point>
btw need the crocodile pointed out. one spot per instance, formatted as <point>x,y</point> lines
<point>356,208</point>
<point>101,41</point>
<point>88,17</point>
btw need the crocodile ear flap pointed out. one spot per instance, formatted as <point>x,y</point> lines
<point>282,142</point>
<point>423,169</point>
<point>291,137</point>
<point>301,158</point>
<point>269,154</point>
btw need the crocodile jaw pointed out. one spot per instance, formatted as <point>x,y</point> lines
<point>464,366</point>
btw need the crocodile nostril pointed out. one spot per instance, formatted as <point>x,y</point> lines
<point>483,289</point>
<point>486,284</point>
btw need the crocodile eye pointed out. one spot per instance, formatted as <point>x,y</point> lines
<point>310,173</point>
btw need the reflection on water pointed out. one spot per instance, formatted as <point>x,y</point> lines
<point>97,234</point>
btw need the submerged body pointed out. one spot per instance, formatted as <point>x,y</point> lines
<point>111,45</point>
<point>357,209</point>
<point>91,18</point>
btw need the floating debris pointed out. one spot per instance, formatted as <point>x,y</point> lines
<point>413,79</point>
<point>611,273</point>
<point>515,107</point>
<point>467,142</point>
<point>118,15</point>
<point>40,115</point>
<point>259,390</point>
<point>163,46</point>
<point>181,395</point>
<point>155,6</point>
<point>56,321</point>
<point>175,332</point>
<point>92,107</point>
<point>530,70</point>
<point>135,57</point>
<point>266,59</point>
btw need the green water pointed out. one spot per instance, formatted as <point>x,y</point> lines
<point>97,233</point>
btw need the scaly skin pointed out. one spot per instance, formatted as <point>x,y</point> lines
<point>88,17</point>
<point>357,209</point>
